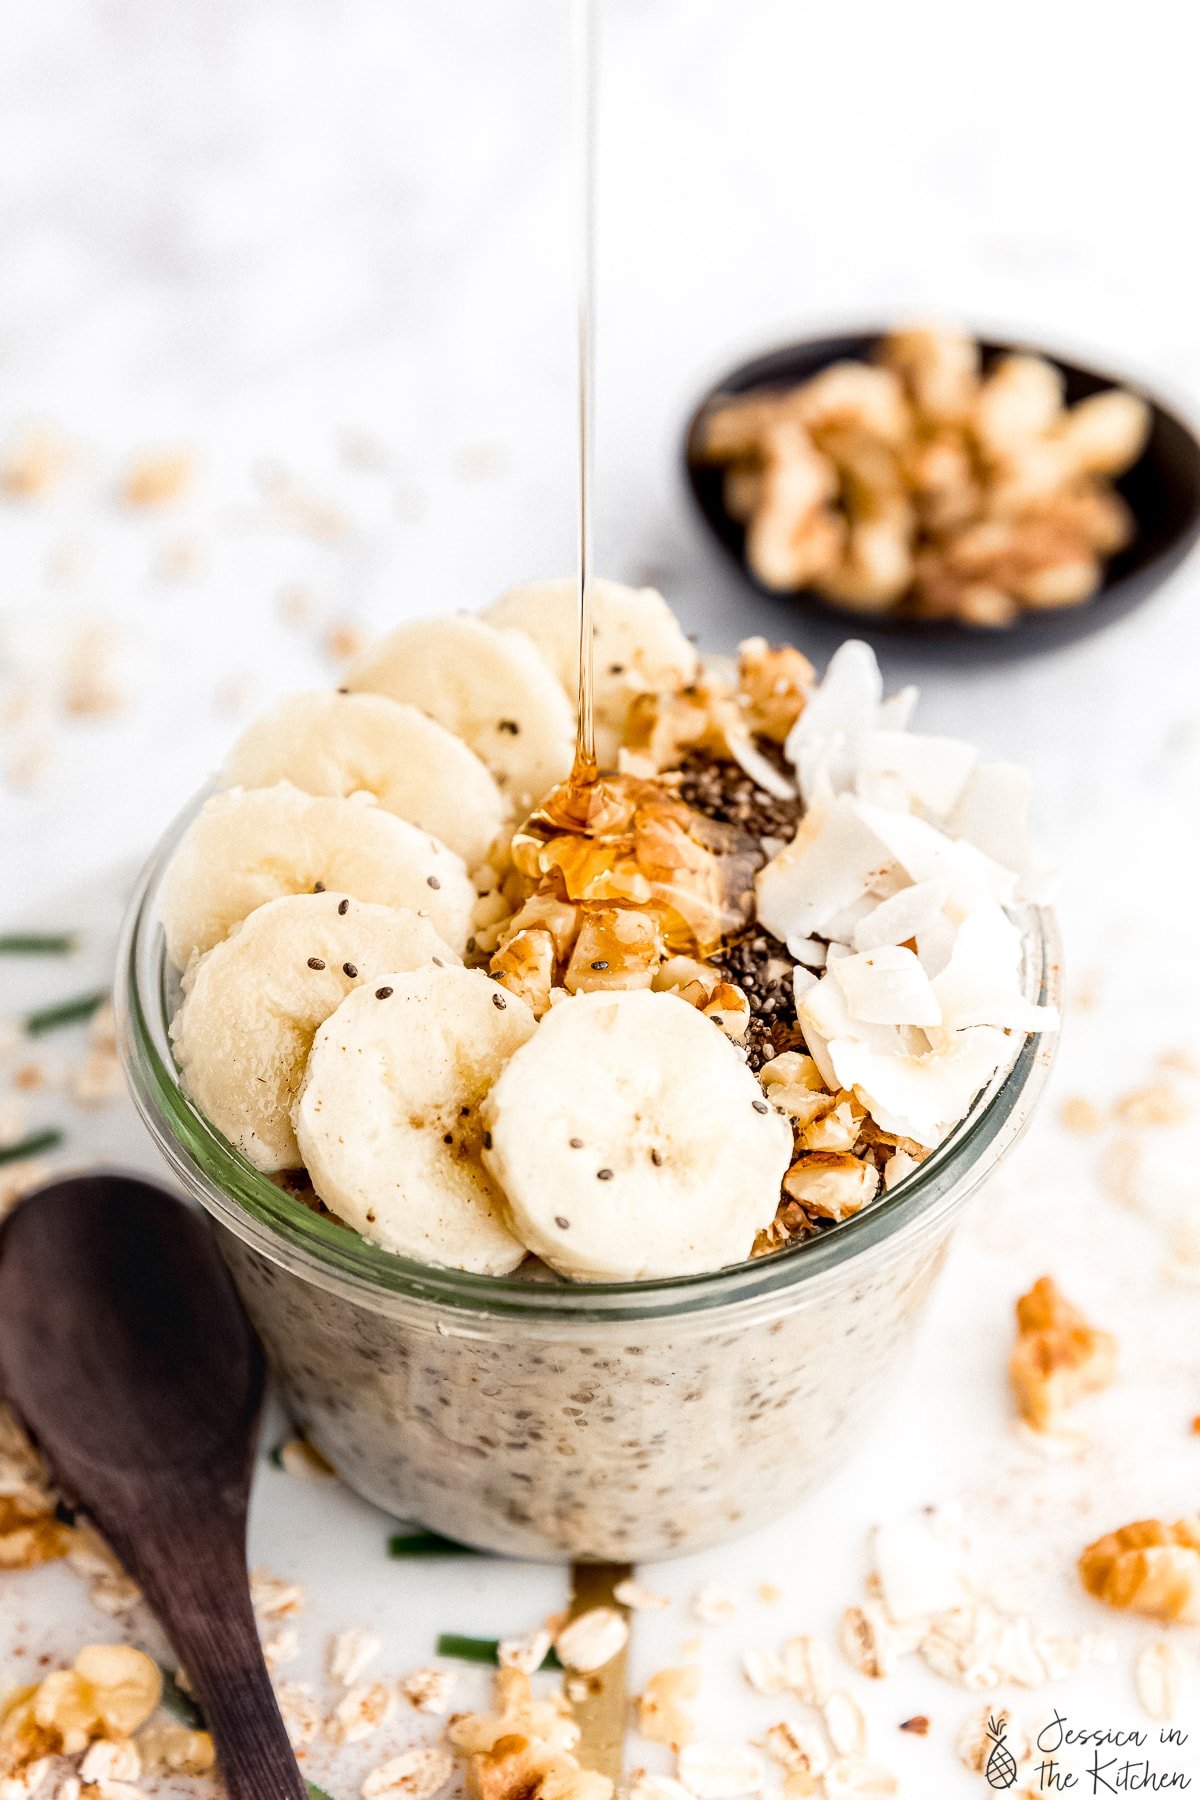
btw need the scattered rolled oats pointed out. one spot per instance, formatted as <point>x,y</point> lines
<point>799,1749</point>
<point>637,1598</point>
<point>918,1568</point>
<point>1156,1104</point>
<point>721,1771</point>
<point>362,1711</point>
<point>843,1720</point>
<point>592,1639</point>
<point>869,1641</point>
<point>282,1646</point>
<point>430,1689</point>
<point>714,1604</point>
<point>663,1714</point>
<point>1159,1674</point>
<point>764,1671</point>
<point>273,1598</point>
<point>526,1653</point>
<point>851,1779</point>
<point>299,1711</point>
<point>979,1736</point>
<point>415,1774</point>
<point>158,477</point>
<point>108,1760</point>
<point>1081,1115</point>
<point>658,1787</point>
<point>808,1669</point>
<point>1058,1357</point>
<point>1148,1567</point>
<point>350,1655</point>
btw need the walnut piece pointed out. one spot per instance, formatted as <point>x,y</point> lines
<point>1148,1567</point>
<point>1058,1357</point>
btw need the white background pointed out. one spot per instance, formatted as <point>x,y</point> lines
<point>256,228</point>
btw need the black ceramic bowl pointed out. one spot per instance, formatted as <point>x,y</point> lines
<point>1162,490</point>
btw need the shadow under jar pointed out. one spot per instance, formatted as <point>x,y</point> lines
<point>545,1419</point>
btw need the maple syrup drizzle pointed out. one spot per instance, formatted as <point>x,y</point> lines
<point>585,769</point>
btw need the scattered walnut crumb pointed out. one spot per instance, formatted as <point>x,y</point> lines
<point>1081,1115</point>
<point>157,477</point>
<point>918,1725</point>
<point>1148,1567</point>
<point>1058,1357</point>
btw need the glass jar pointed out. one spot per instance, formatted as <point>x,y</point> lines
<point>544,1419</point>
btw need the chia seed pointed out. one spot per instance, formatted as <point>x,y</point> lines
<point>760,965</point>
<point>722,790</point>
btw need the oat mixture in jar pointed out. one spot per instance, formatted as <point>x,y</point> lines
<point>574,1129</point>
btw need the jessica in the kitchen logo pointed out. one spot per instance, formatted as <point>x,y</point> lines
<point>1094,1759</point>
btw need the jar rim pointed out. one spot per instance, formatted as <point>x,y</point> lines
<point>331,1255</point>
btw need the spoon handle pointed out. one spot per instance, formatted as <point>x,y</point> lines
<point>198,1589</point>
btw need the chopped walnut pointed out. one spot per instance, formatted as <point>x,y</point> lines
<point>617,947</point>
<point>525,965</point>
<point>30,1535</point>
<point>164,1744</point>
<point>524,1750</point>
<point>1058,1357</point>
<point>831,1186</point>
<point>110,1690</point>
<point>773,686</point>
<point>1148,1567</point>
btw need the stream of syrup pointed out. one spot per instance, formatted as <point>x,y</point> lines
<point>585,769</point>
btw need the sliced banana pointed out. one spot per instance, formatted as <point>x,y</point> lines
<point>252,1003</point>
<point>490,687</point>
<point>251,845</point>
<point>638,643</point>
<point>632,1141</point>
<point>344,744</point>
<point>388,1118</point>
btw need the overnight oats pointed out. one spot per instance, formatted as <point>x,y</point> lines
<point>586,1141</point>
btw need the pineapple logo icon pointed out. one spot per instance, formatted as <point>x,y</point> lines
<point>1001,1769</point>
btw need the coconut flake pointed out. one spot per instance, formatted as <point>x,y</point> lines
<point>825,743</point>
<point>918,1096</point>
<point>980,984</point>
<point>829,864</point>
<point>904,915</point>
<point>810,951</point>
<point>759,768</point>
<point>931,772</point>
<point>888,986</point>
<point>990,813</point>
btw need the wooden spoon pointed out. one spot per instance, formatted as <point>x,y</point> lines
<point>126,1354</point>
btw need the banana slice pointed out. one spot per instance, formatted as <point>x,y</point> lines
<point>490,687</point>
<point>366,743</point>
<point>252,1003</point>
<point>388,1118</point>
<point>632,1141</point>
<point>251,845</point>
<point>638,643</point>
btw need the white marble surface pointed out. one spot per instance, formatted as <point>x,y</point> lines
<point>255,229</point>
